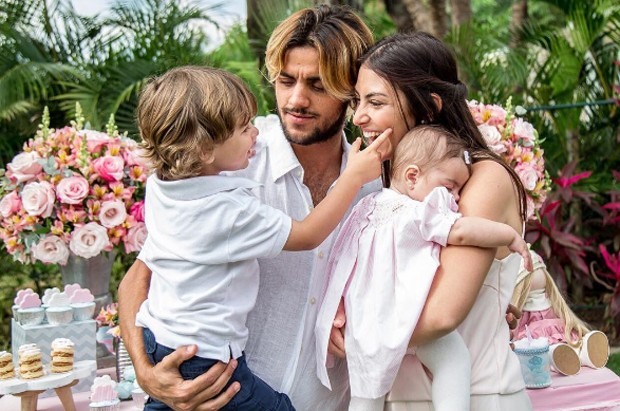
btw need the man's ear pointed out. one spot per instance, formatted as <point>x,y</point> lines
<point>438,101</point>
<point>412,172</point>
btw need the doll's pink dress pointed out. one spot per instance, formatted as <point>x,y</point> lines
<point>383,263</point>
<point>539,317</point>
<point>542,323</point>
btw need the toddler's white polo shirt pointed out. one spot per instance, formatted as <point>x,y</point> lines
<point>204,236</point>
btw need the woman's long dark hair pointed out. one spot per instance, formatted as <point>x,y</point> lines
<point>419,65</point>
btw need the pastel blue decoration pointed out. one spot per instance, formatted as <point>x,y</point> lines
<point>129,373</point>
<point>124,389</point>
<point>535,366</point>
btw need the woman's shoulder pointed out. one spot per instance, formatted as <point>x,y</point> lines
<point>491,174</point>
<point>489,192</point>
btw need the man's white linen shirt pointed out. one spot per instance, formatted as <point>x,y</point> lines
<point>281,346</point>
<point>204,236</point>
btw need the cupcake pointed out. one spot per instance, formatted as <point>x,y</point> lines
<point>62,354</point>
<point>103,395</point>
<point>30,364</point>
<point>18,297</point>
<point>83,304</point>
<point>30,311</point>
<point>47,294</point>
<point>58,310</point>
<point>7,369</point>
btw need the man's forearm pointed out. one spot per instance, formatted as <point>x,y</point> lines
<point>132,291</point>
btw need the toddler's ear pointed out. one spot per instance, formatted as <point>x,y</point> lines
<point>208,157</point>
<point>412,173</point>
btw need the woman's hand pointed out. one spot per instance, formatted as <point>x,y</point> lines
<point>164,382</point>
<point>336,337</point>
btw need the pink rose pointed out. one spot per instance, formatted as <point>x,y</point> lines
<point>51,250</point>
<point>492,137</point>
<point>38,199</point>
<point>528,175</point>
<point>136,236</point>
<point>137,210</point>
<point>112,213</point>
<point>72,190</point>
<point>525,131</point>
<point>96,139</point>
<point>10,204</point>
<point>89,240</point>
<point>110,168</point>
<point>25,166</point>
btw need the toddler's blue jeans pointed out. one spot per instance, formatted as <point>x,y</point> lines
<point>255,394</point>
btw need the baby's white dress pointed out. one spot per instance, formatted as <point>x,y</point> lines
<point>383,263</point>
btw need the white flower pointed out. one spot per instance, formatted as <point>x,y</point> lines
<point>51,249</point>
<point>492,137</point>
<point>25,166</point>
<point>89,240</point>
<point>525,131</point>
<point>38,199</point>
<point>112,213</point>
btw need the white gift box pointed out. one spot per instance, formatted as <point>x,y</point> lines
<point>82,333</point>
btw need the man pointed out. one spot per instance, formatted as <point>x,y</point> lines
<point>311,60</point>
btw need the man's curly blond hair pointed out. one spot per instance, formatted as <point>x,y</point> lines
<point>339,36</point>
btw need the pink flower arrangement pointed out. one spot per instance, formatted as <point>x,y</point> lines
<point>73,190</point>
<point>517,142</point>
<point>108,317</point>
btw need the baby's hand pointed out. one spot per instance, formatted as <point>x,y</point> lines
<point>366,164</point>
<point>518,245</point>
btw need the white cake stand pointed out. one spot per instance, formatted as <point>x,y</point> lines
<point>29,390</point>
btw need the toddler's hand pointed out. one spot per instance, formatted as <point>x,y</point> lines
<point>366,164</point>
<point>518,245</point>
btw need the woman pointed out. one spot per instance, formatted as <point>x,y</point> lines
<point>411,79</point>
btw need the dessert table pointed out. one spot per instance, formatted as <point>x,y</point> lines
<point>28,390</point>
<point>588,390</point>
<point>81,400</point>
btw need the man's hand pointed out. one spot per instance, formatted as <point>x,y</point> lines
<point>336,337</point>
<point>164,382</point>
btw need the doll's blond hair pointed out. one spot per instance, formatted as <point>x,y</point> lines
<point>558,304</point>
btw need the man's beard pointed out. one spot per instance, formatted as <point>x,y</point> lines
<point>318,135</point>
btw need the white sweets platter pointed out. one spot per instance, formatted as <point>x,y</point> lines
<point>81,369</point>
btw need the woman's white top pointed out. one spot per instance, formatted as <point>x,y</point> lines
<point>383,263</point>
<point>495,367</point>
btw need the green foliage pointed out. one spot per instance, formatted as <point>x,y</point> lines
<point>614,363</point>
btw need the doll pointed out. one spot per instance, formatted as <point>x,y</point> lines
<point>546,313</point>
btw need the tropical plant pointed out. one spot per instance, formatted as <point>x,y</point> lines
<point>41,44</point>
<point>138,40</point>
<point>580,258</point>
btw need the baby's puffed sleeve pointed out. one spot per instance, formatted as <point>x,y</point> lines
<point>439,212</point>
